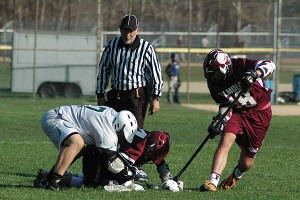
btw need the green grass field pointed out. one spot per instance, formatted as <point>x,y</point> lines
<point>24,149</point>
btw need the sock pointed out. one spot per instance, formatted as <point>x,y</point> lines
<point>237,173</point>
<point>214,178</point>
<point>50,173</point>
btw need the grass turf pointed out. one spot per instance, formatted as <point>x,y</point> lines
<point>25,149</point>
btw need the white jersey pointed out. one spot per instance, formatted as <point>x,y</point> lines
<point>94,124</point>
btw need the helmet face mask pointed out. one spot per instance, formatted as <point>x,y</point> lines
<point>157,146</point>
<point>217,65</point>
<point>125,122</point>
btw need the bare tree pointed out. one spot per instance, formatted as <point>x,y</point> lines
<point>161,15</point>
<point>64,7</point>
<point>43,12</point>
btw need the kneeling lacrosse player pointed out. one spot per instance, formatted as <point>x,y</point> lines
<point>147,146</point>
<point>71,127</point>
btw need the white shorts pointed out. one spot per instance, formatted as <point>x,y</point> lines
<point>56,128</point>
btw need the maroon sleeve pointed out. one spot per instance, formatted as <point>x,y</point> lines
<point>135,149</point>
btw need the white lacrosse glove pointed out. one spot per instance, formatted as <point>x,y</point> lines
<point>171,185</point>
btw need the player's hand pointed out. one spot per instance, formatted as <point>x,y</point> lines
<point>216,127</point>
<point>141,176</point>
<point>248,79</point>
<point>171,185</point>
<point>154,106</point>
<point>178,83</point>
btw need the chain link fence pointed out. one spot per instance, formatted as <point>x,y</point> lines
<point>254,29</point>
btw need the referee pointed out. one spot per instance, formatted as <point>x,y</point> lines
<point>135,73</point>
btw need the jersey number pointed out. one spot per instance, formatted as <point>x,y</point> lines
<point>246,100</point>
<point>97,109</point>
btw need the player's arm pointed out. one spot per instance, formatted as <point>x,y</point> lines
<point>103,77</point>
<point>166,178</point>
<point>155,69</point>
<point>123,169</point>
<point>114,163</point>
<point>264,67</point>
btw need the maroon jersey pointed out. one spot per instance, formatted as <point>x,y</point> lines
<point>225,91</point>
<point>250,117</point>
<point>147,146</point>
<point>135,151</point>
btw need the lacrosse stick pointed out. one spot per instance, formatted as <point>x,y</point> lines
<point>176,178</point>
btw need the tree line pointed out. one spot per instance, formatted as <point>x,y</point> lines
<point>154,15</point>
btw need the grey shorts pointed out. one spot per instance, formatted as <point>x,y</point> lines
<point>56,128</point>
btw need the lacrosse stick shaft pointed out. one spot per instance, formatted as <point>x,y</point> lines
<point>176,178</point>
<point>229,107</point>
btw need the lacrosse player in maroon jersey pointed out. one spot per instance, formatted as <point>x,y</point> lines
<point>147,146</point>
<point>247,122</point>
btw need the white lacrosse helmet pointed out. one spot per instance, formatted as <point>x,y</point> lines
<point>125,121</point>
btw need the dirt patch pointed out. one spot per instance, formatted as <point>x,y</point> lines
<point>279,110</point>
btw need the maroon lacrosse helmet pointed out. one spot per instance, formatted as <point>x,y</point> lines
<point>157,146</point>
<point>217,65</point>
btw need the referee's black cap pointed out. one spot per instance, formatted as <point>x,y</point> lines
<point>129,22</point>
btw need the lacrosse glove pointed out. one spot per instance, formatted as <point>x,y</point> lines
<point>171,185</point>
<point>248,79</point>
<point>216,127</point>
<point>140,175</point>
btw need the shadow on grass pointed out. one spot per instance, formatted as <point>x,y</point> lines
<point>7,94</point>
<point>13,185</point>
<point>18,174</point>
<point>17,186</point>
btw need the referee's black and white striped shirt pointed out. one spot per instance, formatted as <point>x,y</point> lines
<point>130,66</point>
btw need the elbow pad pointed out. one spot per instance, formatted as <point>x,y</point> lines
<point>115,165</point>
<point>266,67</point>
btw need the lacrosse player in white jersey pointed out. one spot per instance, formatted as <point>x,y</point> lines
<point>71,127</point>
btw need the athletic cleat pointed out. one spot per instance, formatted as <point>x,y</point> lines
<point>41,181</point>
<point>228,183</point>
<point>57,185</point>
<point>68,173</point>
<point>126,187</point>
<point>208,186</point>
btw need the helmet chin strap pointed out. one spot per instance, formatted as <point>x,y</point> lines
<point>121,129</point>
